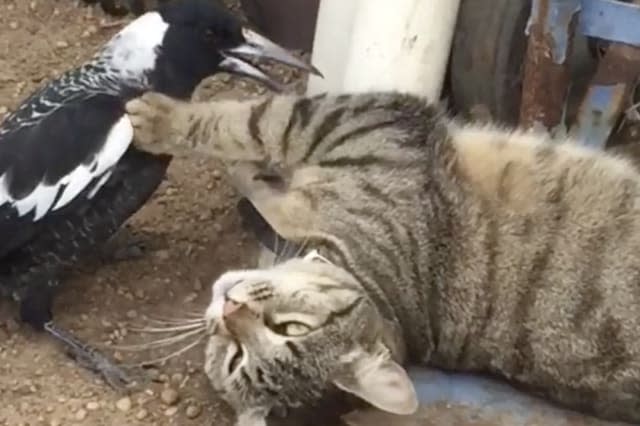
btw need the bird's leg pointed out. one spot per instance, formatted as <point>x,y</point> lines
<point>95,361</point>
<point>35,309</point>
<point>124,245</point>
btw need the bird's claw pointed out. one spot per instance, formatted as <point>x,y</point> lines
<point>119,378</point>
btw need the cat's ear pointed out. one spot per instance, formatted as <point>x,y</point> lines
<point>378,380</point>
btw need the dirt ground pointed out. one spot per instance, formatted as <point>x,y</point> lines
<point>191,235</point>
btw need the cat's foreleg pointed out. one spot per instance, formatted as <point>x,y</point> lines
<point>215,128</point>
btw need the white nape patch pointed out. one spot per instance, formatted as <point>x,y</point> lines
<point>134,49</point>
<point>42,197</point>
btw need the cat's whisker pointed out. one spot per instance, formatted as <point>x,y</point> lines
<point>302,247</point>
<point>168,341</point>
<point>175,322</point>
<point>196,314</point>
<point>276,248</point>
<point>170,356</point>
<point>184,327</point>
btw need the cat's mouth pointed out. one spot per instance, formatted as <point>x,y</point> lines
<point>236,358</point>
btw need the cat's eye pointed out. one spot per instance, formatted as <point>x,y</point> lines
<point>291,328</point>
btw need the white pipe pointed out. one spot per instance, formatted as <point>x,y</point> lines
<point>403,45</point>
<point>331,44</point>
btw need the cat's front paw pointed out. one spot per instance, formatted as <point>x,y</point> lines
<point>151,116</point>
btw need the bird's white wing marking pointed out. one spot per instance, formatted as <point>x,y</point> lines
<point>99,185</point>
<point>117,142</point>
<point>42,197</point>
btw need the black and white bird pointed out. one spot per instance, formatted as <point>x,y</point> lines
<point>69,174</point>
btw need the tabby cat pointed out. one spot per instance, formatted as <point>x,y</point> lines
<point>459,246</point>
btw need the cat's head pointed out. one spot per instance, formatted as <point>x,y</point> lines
<point>285,336</point>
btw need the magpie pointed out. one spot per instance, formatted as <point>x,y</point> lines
<point>70,175</point>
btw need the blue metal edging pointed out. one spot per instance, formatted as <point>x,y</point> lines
<point>610,20</point>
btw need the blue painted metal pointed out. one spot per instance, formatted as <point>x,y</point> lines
<point>610,20</point>
<point>545,79</point>
<point>598,114</point>
<point>459,399</point>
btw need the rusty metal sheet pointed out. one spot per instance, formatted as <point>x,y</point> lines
<point>546,74</point>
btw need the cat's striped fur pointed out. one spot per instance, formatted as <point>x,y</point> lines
<point>492,250</point>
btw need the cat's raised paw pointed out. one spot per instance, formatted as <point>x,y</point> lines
<point>151,116</point>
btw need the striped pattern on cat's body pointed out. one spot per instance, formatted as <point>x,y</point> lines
<point>494,250</point>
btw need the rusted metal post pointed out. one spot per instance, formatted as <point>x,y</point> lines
<point>546,74</point>
<point>607,94</point>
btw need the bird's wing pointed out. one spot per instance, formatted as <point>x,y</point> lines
<point>47,164</point>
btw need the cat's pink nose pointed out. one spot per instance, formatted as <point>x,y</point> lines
<point>230,307</point>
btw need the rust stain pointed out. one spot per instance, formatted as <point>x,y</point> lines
<point>545,82</point>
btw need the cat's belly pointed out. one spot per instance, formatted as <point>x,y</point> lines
<point>466,400</point>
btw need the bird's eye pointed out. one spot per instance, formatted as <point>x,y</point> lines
<point>291,328</point>
<point>209,35</point>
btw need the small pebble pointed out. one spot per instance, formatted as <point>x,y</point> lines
<point>193,411</point>
<point>132,314</point>
<point>142,414</point>
<point>13,25</point>
<point>124,404</point>
<point>163,254</point>
<point>169,396</point>
<point>190,297</point>
<point>62,44</point>
<point>75,404</point>
<point>197,285</point>
<point>177,378</point>
<point>154,374</point>
<point>81,414</point>
<point>92,406</point>
<point>171,411</point>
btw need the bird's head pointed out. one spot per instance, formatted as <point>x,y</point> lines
<point>184,41</point>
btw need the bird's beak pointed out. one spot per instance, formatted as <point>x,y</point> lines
<point>260,47</point>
